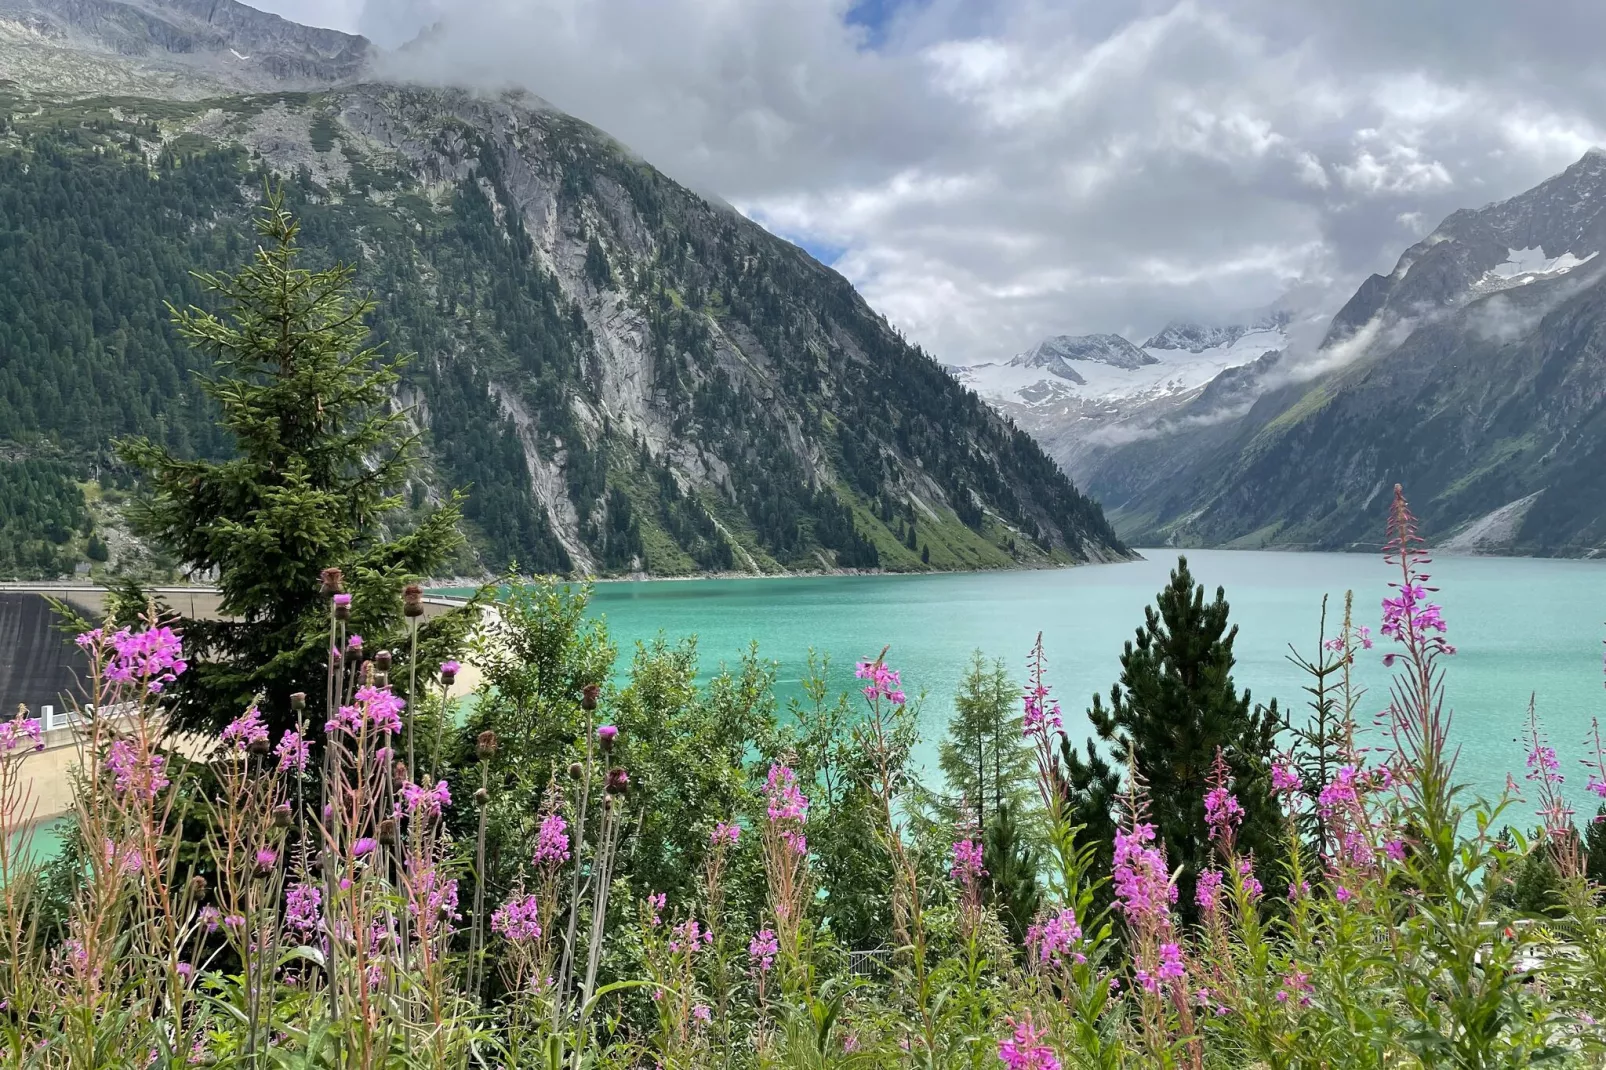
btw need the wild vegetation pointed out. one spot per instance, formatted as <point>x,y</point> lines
<point>298,844</point>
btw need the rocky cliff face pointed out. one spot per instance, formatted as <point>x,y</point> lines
<point>631,378</point>
<point>186,49</point>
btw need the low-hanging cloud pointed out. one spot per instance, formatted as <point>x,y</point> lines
<point>996,171</point>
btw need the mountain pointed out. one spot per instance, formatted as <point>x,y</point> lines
<point>1474,374</point>
<point>1076,394</point>
<point>183,49</point>
<point>628,377</point>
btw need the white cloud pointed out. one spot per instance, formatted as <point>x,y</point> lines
<point>995,171</point>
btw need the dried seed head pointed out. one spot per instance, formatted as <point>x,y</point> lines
<point>576,771</point>
<point>399,772</point>
<point>258,746</point>
<point>281,815</point>
<point>480,796</point>
<point>588,696</point>
<point>298,701</point>
<point>412,600</point>
<point>382,661</point>
<point>487,744</point>
<point>333,581</point>
<point>388,830</point>
<point>198,886</point>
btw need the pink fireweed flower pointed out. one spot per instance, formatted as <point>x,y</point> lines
<point>786,801</point>
<point>1053,941</point>
<point>1025,1050</point>
<point>148,660</point>
<point>656,903</point>
<point>244,731</point>
<point>133,774</point>
<point>762,949</point>
<point>1395,850</point>
<point>1542,762</point>
<point>1342,894</point>
<point>725,832</point>
<point>1042,714</point>
<point>210,918</point>
<point>552,843</point>
<point>375,707</point>
<point>1142,880</point>
<point>702,1014</point>
<point>688,936</point>
<point>1208,892</point>
<point>1246,870</point>
<point>293,752</point>
<point>303,908</point>
<point>517,920</point>
<point>1222,812</point>
<point>1171,966</point>
<point>967,864</point>
<point>884,682</point>
<point>426,802</point>
<point>1284,779</point>
<point>21,732</point>
<point>432,899</point>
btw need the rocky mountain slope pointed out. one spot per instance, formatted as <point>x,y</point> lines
<point>629,377</point>
<point>1474,373</point>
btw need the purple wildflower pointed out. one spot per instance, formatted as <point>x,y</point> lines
<point>303,906</point>
<point>518,920</point>
<point>552,844</point>
<point>967,865</point>
<point>293,752</point>
<point>762,950</point>
<point>883,683</point>
<point>725,832</point>
<point>1026,1050</point>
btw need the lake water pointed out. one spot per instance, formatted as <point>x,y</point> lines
<point>1521,626</point>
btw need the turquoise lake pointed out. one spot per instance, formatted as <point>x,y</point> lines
<point>1521,626</point>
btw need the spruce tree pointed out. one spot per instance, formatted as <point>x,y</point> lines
<point>1012,863</point>
<point>1175,704</point>
<point>321,451</point>
<point>985,760</point>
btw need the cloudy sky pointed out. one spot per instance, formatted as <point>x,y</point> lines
<point>989,172</point>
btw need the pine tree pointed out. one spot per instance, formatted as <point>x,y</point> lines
<point>985,760</point>
<point>1012,863</point>
<point>1174,706</point>
<point>1595,848</point>
<point>320,454</point>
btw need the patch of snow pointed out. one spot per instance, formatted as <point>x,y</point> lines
<point>1171,371</point>
<point>236,55</point>
<point>1528,264</point>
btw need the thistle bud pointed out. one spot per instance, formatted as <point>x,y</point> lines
<point>333,581</point>
<point>576,771</point>
<point>382,661</point>
<point>388,830</point>
<point>298,701</point>
<point>198,886</point>
<point>607,803</point>
<point>258,746</point>
<point>480,796</point>
<point>449,671</point>
<point>618,782</point>
<point>399,772</point>
<point>605,736</point>
<point>487,744</point>
<point>412,600</point>
<point>588,697</point>
<point>281,815</point>
<point>267,860</point>
<point>342,607</point>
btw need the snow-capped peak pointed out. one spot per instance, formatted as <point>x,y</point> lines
<point>1109,349</point>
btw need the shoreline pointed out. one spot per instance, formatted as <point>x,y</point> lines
<point>462,583</point>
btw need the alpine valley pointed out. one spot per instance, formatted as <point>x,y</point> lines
<point>1474,374</point>
<point>627,377</point>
